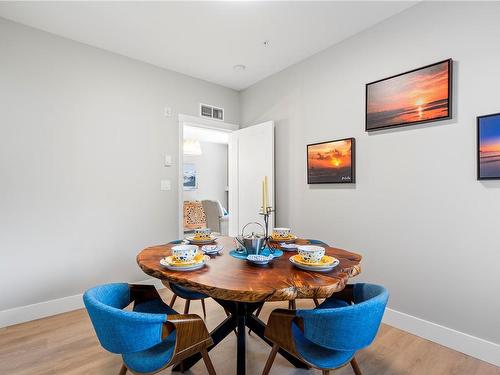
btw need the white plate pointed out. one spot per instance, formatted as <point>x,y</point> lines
<point>196,266</point>
<point>315,268</point>
<point>288,246</point>
<point>212,249</point>
<point>200,242</point>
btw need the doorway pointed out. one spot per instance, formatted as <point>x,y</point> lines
<point>203,174</point>
<point>221,169</point>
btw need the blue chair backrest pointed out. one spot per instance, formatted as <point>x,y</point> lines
<point>347,328</point>
<point>121,331</point>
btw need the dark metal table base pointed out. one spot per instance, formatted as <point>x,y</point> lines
<point>241,317</point>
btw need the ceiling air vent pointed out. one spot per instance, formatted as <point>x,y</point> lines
<point>211,112</point>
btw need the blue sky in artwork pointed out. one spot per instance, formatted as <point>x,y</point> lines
<point>489,130</point>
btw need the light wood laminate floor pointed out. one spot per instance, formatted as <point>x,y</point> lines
<point>66,344</point>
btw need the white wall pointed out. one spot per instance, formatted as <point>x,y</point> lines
<point>82,144</point>
<point>211,170</point>
<point>426,228</point>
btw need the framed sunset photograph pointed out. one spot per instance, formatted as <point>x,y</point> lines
<point>488,147</point>
<point>331,162</point>
<point>415,97</point>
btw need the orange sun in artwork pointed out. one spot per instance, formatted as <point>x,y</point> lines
<point>336,162</point>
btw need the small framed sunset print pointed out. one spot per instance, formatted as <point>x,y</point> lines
<point>415,97</point>
<point>331,162</point>
<point>488,147</point>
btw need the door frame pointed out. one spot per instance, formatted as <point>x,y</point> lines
<point>199,122</point>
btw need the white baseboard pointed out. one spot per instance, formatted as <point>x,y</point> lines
<point>27,313</point>
<point>474,346</point>
<point>40,310</point>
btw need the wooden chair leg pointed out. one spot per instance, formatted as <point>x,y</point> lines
<point>204,310</point>
<point>316,302</point>
<point>292,305</point>
<point>174,297</point>
<point>208,362</point>
<point>270,360</point>
<point>123,370</point>
<point>355,367</point>
<point>186,306</point>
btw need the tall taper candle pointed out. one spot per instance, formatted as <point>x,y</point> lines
<point>263,198</point>
<point>266,192</point>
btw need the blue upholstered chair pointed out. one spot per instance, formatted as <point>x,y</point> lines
<point>328,336</point>
<point>186,293</point>
<point>150,336</point>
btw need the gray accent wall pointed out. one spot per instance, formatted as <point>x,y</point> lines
<point>426,228</point>
<point>82,143</point>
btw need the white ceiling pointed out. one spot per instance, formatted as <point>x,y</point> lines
<point>206,39</point>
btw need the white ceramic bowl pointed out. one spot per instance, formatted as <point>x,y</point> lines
<point>212,249</point>
<point>311,253</point>
<point>203,231</point>
<point>184,253</point>
<point>282,232</point>
<point>260,259</point>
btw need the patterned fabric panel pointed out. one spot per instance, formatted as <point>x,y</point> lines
<point>194,216</point>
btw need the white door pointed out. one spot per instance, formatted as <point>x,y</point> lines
<point>251,158</point>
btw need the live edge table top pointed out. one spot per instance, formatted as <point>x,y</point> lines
<point>227,278</point>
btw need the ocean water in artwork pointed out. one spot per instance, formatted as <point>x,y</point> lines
<point>489,147</point>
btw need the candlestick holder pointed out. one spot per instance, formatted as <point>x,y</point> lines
<point>266,212</point>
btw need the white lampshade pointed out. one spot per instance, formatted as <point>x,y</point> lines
<point>192,147</point>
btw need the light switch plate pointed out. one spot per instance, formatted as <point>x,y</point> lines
<point>168,160</point>
<point>165,185</point>
<point>167,112</point>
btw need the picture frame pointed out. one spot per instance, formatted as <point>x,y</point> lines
<point>190,177</point>
<point>414,97</point>
<point>488,147</point>
<point>331,162</point>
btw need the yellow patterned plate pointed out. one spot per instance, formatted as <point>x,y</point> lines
<point>206,241</point>
<point>325,261</point>
<point>171,261</point>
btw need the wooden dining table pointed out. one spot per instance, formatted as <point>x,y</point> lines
<point>241,288</point>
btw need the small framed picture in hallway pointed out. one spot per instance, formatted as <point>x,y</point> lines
<point>190,177</point>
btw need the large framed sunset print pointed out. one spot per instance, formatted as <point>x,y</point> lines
<point>488,147</point>
<point>331,162</point>
<point>415,97</point>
